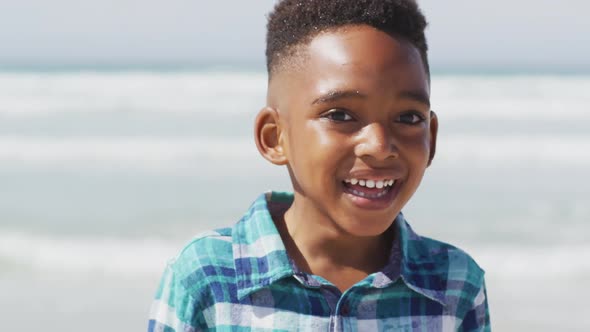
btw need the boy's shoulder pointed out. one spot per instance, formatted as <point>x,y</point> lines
<point>448,254</point>
<point>457,262</point>
<point>206,255</point>
<point>248,252</point>
<point>423,249</point>
<point>439,268</point>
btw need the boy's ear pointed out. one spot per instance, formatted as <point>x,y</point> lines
<point>268,136</point>
<point>433,133</point>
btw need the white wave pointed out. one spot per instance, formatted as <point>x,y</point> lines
<point>549,261</point>
<point>514,149</point>
<point>136,257</point>
<point>136,153</point>
<point>481,97</point>
<point>116,257</point>
<point>512,97</point>
<point>161,154</point>
<point>50,93</point>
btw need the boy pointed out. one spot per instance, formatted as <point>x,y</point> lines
<point>348,113</point>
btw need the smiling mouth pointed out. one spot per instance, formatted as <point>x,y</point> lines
<point>369,189</point>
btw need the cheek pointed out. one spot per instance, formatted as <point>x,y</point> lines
<point>322,150</point>
<point>417,147</point>
<point>315,132</point>
<point>318,151</point>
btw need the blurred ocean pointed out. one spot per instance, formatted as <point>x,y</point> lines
<point>105,174</point>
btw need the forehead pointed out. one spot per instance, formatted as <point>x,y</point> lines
<point>356,57</point>
<point>361,46</point>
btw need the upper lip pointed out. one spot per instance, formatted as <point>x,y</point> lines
<point>374,174</point>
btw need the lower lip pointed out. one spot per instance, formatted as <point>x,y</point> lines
<point>373,203</point>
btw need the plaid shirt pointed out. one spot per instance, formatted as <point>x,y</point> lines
<point>241,279</point>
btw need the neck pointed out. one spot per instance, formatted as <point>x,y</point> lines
<point>319,246</point>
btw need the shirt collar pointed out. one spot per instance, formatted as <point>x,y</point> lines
<point>260,257</point>
<point>422,268</point>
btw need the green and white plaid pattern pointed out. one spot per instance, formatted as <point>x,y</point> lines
<point>241,279</point>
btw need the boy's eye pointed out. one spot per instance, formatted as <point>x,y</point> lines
<point>338,116</point>
<point>410,118</point>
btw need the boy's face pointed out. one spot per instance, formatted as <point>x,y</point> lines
<point>354,110</point>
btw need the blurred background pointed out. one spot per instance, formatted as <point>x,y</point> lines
<point>126,129</point>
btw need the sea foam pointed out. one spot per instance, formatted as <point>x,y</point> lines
<point>166,153</point>
<point>499,97</point>
<point>43,94</point>
<point>115,257</point>
<point>147,257</point>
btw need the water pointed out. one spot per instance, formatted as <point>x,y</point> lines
<point>106,174</point>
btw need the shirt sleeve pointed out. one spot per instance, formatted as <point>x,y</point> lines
<point>478,317</point>
<point>172,308</point>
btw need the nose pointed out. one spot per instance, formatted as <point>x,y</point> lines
<point>376,142</point>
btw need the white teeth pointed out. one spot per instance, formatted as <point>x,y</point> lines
<point>371,183</point>
<point>362,194</point>
<point>384,185</point>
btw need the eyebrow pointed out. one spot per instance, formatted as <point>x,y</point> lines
<point>417,95</point>
<point>335,95</point>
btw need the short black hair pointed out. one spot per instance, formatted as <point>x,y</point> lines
<point>295,22</point>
